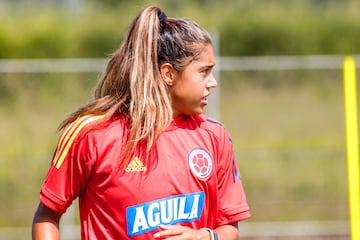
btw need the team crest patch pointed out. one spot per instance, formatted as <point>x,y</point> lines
<point>200,163</point>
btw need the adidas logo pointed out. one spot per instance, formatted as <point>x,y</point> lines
<point>136,166</point>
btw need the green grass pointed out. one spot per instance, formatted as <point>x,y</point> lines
<point>287,128</point>
<point>289,139</point>
<point>34,106</point>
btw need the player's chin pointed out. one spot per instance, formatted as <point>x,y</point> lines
<point>195,110</point>
<point>199,110</point>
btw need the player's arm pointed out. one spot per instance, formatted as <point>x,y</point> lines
<point>228,232</point>
<point>45,224</point>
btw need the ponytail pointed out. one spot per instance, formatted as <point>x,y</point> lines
<point>132,84</point>
<point>149,107</point>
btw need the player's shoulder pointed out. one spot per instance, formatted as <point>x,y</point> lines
<point>82,124</point>
<point>92,124</point>
<point>213,125</point>
<point>216,128</point>
<point>73,133</point>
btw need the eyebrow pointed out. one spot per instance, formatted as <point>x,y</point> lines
<point>208,66</point>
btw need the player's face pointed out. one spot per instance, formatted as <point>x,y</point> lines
<point>192,86</point>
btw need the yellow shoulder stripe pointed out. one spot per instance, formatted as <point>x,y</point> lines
<point>68,136</point>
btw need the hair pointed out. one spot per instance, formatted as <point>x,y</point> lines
<point>132,84</point>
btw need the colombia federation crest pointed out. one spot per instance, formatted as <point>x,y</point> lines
<point>200,163</point>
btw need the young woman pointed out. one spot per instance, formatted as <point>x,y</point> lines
<point>141,157</point>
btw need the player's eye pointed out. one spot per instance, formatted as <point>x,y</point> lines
<point>206,71</point>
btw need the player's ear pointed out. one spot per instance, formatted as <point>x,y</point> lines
<point>167,72</point>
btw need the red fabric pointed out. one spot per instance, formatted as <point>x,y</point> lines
<point>130,203</point>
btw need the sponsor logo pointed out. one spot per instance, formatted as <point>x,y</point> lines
<point>148,216</point>
<point>200,163</point>
<point>136,165</point>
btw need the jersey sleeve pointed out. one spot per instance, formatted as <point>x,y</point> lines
<point>232,199</point>
<point>70,168</point>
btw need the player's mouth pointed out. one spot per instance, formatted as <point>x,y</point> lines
<point>205,101</point>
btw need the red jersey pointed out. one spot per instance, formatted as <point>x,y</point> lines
<point>192,179</point>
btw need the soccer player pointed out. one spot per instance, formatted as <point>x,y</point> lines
<point>142,159</point>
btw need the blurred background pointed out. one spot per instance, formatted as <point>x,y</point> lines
<point>280,96</point>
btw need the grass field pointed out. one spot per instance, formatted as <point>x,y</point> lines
<point>287,128</point>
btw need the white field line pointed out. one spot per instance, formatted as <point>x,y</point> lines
<point>236,63</point>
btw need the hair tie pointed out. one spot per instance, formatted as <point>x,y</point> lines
<point>162,16</point>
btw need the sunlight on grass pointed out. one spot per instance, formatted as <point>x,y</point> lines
<point>287,129</point>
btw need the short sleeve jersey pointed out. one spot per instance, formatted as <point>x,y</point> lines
<point>192,179</point>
